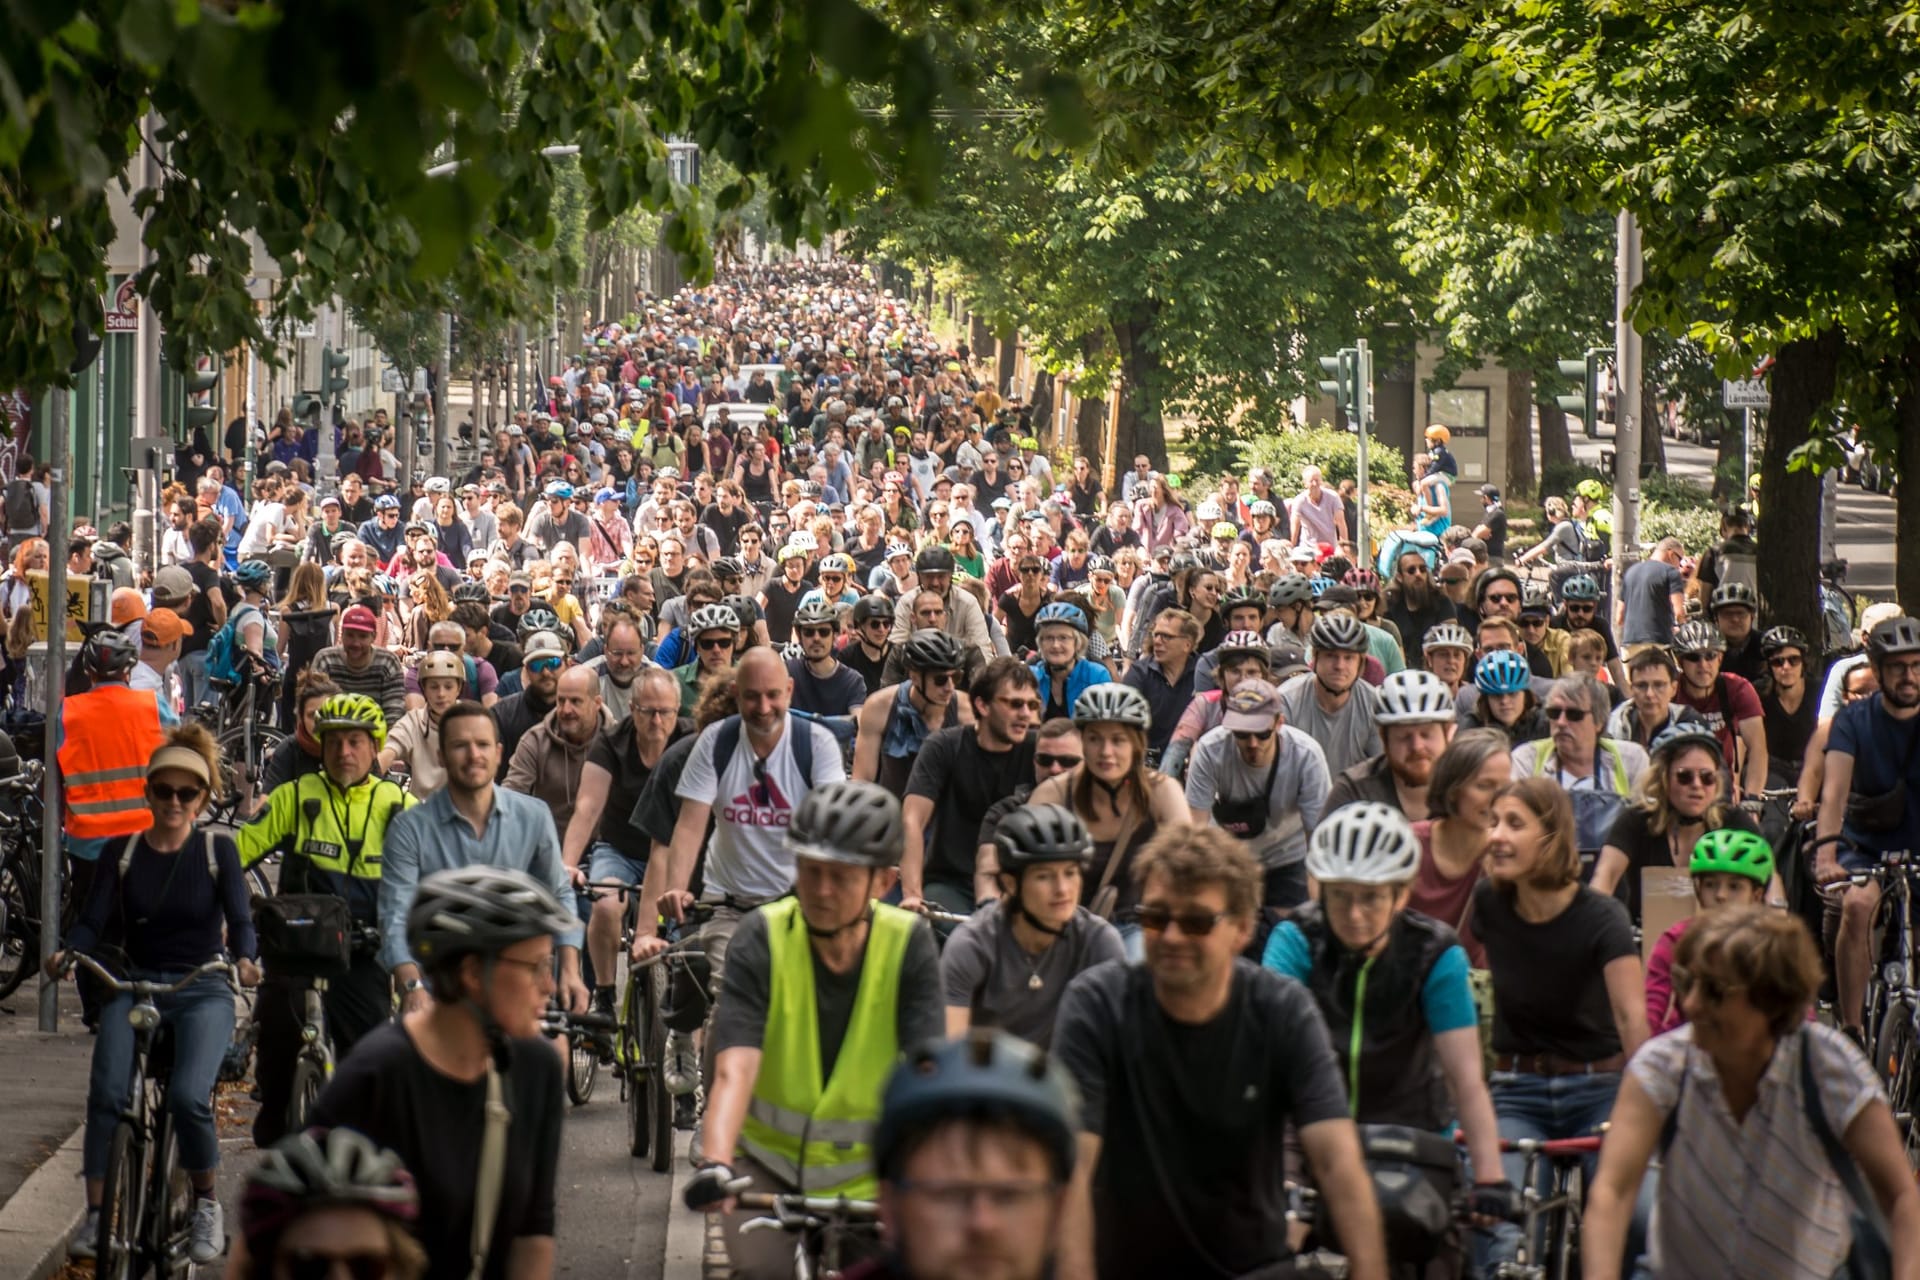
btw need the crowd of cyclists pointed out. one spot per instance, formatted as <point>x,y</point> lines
<point>1131,879</point>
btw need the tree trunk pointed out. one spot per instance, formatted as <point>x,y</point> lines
<point>1555,448</point>
<point>1804,373</point>
<point>1906,518</point>
<point>1009,360</point>
<point>980,337</point>
<point>1653,441</point>
<point>1520,476</point>
<point>1139,428</point>
<point>1040,412</point>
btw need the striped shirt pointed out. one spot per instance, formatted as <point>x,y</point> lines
<point>1755,1198</point>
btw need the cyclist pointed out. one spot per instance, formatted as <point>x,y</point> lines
<point>1008,965</point>
<point>1650,710</point>
<point>1726,704</point>
<point>1872,772</point>
<point>1733,608</point>
<point>299,752</point>
<point>1446,650</point>
<point>866,649</point>
<point>1416,719</point>
<point>822,990</point>
<point>1064,671</point>
<point>1242,656</point>
<point>358,665</point>
<point>1728,869</point>
<point>1786,705</point>
<point>170,899</point>
<point>1392,986</point>
<point>1504,683</point>
<point>973,1149</point>
<point>1331,704</point>
<point>1190,1068</point>
<point>716,633</point>
<point>466,1091</point>
<point>1415,606</point>
<point>332,826</point>
<point>1290,606</point>
<point>323,1199</point>
<point>895,721</point>
<point>414,739</point>
<point>822,684</point>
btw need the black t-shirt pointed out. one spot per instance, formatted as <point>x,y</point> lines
<point>1549,980</point>
<point>206,581</point>
<point>853,655</point>
<point>963,782</point>
<point>616,751</point>
<point>1495,518</point>
<point>1106,541</point>
<point>1196,1112</point>
<point>1645,849</point>
<point>837,695</point>
<point>389,1092</point>
<point>1020,628</point>
<point>726,528</point>
<point>1788,731</point>
<point>783,601</point>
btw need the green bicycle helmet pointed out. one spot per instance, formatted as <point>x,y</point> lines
<point>351,711</point>
<point>1734,853</point>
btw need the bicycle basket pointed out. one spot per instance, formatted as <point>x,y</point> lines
<point>304,935</point>
<point>685,1007</point>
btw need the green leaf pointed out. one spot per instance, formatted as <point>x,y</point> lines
<point>146,32</point>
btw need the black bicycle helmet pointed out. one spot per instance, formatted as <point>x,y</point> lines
<point>1338,633</point>
<point>856,823</point>
<point>1243,598</point>
<point>109,654</point>
<point>318,1169</point>
<point>1783,638</point>
<point>933,560</point>
<point>471,593</point>
<point>1732,595</point>
<point>728,567</point>
<point>1894,636</point>
<point>984,1075</point>
<point>1290,588</point>
<point>875,608</point>
<point>931,650</point>
<point>745,608</point>
<point>481,910</point>
<point>1698,637</point>
<point>1037,833</point>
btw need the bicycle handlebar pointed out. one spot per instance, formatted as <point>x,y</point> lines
<point>789,1204</point>
<point>140,989</point>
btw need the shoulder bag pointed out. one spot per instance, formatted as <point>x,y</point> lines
<point>1871,1257</point>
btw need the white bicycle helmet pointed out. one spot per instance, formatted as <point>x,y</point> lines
<point>1447,635</point>
<point>1414,697</point>
<point>1365,843</point>
<point>802,540</point>
<point>1113,704</point>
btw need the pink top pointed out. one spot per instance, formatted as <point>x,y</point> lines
<point>1446,899</point>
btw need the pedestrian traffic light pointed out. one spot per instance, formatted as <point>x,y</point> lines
<point>200,383</point>
<point>1587,373</point>
<point>333,373</point>
<point>307,404</point>
<point>1343,386</point>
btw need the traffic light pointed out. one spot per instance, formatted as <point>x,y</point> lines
<point>200,384</point>
<point>1587,373</point>
<point>1343,386</point>
<point>307,404</point>
<point>333,373</point>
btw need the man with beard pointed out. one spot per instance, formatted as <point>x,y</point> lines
<point>469,822</point>
<point>517,713</point>
<point>357,665</point>
<point>1416,722</point>
<point>1414,605</point>
<point>933,570</point>
<point>547,763</point>
<point>822,684</point>
<point>621,657</point>
<point>1191,1068</point>
<point>601,841</point>
<point>1330,703</point>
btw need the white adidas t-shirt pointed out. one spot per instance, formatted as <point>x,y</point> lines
<point>751,808</point>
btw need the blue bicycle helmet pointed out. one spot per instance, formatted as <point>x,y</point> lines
<point>1061,612</point>
<point>1580,586</point>
<point>254,574</point>
<point>1319,584</point>
<point>1503,671</point>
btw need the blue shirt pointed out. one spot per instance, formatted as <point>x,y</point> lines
<point>229,504</point>
<point>432,836</point>
<point>1446,1000</point>
<point>1885,753</point>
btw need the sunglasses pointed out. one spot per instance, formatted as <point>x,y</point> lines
<point>1533,622</point>
<point>182,795</point>
<point>1572,715</point>
<point>1696,777</point>
<point>301,1265</point>
<point>1417,571</point>
<point>1698,657</point>
<point>1046,760</point>
<point>1712,990</point>
<point>805,632</point>
<point>716,644</point>
<point>1501,598</point>
<point>540,666</point>
<point>445,648</point>
<point>1448,580</point>
<point>1786,660</point>
<point>938,677</point>
<point>1195,924</point>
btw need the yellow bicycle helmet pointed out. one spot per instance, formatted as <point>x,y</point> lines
<point>351,711</point>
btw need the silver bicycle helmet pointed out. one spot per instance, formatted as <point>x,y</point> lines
<point>818,612</point>
<point>1698,637</point>
<point>319,1169</point>
<point>1113,703</point>
<point>1338,633</point>
<point>481,910</point>
<point>1365,843</point>
<point>712,617</point>
<point>1447,635</point>
<point>856,823</point>
<point>1037,833</point>
<point>1290,588</point>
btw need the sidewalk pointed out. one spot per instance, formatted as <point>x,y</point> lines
<point>43,1098</point>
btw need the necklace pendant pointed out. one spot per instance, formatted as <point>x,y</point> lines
<point>1034,983</point>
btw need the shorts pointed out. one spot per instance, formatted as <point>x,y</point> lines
<point>604,862</point>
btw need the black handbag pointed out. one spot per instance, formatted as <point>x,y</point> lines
<point>1886,811</point>
<point>304,935</point>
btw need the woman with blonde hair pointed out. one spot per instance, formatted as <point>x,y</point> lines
<point>301,636</point>
<point>430,605</point>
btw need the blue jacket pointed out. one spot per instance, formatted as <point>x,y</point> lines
<point>1085,674</point>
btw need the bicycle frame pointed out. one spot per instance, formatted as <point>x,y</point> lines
<point>1559,1208</point>
<point>821,1224</point>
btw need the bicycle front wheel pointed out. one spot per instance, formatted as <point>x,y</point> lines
<point>119,1240</point>
<point>583,1066</point>
<point>19,942</point>
<point>309,1077</point>
<point>635,1035</point>
<point>659,1103</point>
<point>169,1199</point>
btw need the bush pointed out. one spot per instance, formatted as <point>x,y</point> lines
<point>1332,450</point>
<point>1697,527</point>
<point>1560,479</point>
<point>1673,493</point>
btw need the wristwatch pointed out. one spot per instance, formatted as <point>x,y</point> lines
<point>410,986</point>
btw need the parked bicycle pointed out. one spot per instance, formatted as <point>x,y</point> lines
<point>824,1228</point>
<point>146,1210</point>
<point>237,715</point>
<point>20,880</point>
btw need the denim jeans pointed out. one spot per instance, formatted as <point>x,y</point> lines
<point>193,679</point>
<point>201,1021</point>
<point>1541,1107</point>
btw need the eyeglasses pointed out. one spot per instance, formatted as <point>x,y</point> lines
<point>656,713</point>
<point>1572,715</point>
<point>179,795</point>
<point>1195,924</point>
<point>536,969</point>
<point>540,666</point>
<point>816,632</point>
<point>445,647</point>
<point>715,644</point>
<point>299,1264</point>
<point>1579,606</point>
<point>1696,777</point>
<point>1449,580</point>
<point>1786,660</point>
<point>1243,735</point>
<point>1047,760</point>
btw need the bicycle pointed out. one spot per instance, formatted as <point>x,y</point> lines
<point>584,1032</point>
<point>652,1056</point>
<point>824,1225</point>
<point>146,1211</point>
<point>313,1065</point>
<point>1559,1208</point>
<point>20,832</point>
<point>1891,1009</point>
<point>237,720</point>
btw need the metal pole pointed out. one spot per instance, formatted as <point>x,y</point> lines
<point>1363,424</point>
<point>1626,432</point>
<point>328,461</point>
<point>61,431</point>
<point>440,401</point>
<point>1746,450</point>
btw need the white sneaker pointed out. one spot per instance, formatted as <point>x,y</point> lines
<point>85,1236</point>
<point>683,1063</point>
<point>209,1232</point>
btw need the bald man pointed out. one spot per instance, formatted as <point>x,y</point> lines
<point>547,763</point>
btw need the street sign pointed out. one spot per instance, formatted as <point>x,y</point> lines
<point>1747,393</point>
<point>123,314</point>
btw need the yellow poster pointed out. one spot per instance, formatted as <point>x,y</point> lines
<point>79,601</point>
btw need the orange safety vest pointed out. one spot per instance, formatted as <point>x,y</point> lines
<point>111,732</point>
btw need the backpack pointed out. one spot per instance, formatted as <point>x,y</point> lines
<point>1739,561</point>
<point>223,651</point>
<point>23,507</point>
<point>727,741</point>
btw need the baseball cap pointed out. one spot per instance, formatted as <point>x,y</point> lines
<point>544,644</point>
<point>606,495</point>
<point>358,618</point>
<point>164,626</point>
<point>330,500</point>
<point>520,578</point>
<point>172,584</point>
<point>1302,554</point>
<point>127,605</point>
<point>1286,659</point>
<point>1251,707</point>
<point>1490,491</point>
